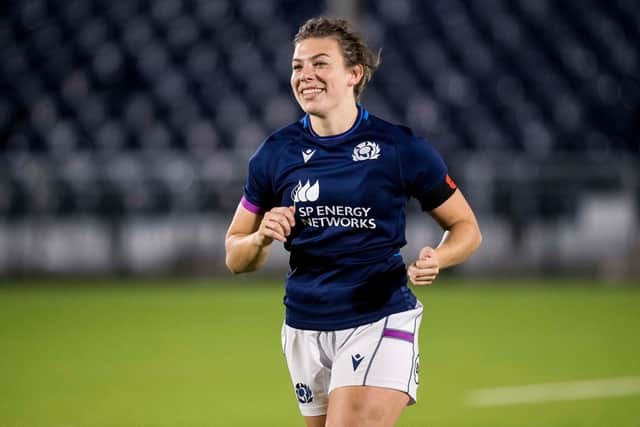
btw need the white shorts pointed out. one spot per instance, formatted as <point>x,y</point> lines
<point>381,354</point>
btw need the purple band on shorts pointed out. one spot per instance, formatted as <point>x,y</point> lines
<point>251,207</point>
<point>401,335</point>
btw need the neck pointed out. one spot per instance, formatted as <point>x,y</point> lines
<point>335,122</point>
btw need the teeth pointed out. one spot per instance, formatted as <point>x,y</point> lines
<point>312,90</point>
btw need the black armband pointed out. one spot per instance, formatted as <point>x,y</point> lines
<point>438,195</point>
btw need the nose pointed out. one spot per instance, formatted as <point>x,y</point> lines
<point>307,72</point>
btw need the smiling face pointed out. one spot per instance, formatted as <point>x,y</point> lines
<point>320,80</point>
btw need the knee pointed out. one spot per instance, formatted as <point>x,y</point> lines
<point>365,406</point>
<point>375,415</point>
<point>358,414</point>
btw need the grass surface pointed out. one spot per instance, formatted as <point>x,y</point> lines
<point>207,353</point>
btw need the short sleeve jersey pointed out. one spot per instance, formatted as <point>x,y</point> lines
<point>350,192</point>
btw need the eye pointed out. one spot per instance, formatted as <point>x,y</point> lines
<point>319,64</point>
<point>296,67</point>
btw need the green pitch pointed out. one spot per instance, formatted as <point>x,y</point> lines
<point>207,353</point>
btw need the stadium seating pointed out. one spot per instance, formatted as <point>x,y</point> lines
<point>137,107</point>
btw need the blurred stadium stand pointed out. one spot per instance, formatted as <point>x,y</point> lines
<point>125,125</point>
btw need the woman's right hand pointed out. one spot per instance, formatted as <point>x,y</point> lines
<point>275,225</point>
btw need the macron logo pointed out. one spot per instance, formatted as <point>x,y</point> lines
<point>355,360</point>
<point>306,192</point>
<point>307,154</point>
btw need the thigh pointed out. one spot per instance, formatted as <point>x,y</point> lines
<point>318,421</point>
<point>365,406</point>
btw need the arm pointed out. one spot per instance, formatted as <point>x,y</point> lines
<point>461,238</point>
<point>249,236</point>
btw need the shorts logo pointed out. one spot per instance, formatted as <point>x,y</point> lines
<point>416,369</point>
<point>355,360</point>
<point>306,192</point>
<point>303,393</point>
<point>366,150</point>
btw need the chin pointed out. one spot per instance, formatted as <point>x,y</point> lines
<point>311,109</point>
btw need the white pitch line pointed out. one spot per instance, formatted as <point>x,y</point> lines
<point>534,393</point>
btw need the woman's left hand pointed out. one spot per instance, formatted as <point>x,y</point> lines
<point>425,269</point>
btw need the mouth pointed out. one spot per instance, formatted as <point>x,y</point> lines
<point>311,92</point>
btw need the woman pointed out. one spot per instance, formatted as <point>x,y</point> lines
<point>333,188</point>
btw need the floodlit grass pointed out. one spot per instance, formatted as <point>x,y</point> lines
<point>207,353</point>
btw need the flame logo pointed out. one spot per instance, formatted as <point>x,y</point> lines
<point>306,192</point>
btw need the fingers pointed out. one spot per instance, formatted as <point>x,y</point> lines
<point>425,269</point>
<point>422,276</point>
<point>427,252</point>
<point>426,263</point>
<point>277,224</point>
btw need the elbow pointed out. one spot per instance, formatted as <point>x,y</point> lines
<point>231,266</point>
<point>229,260</point>
<point>477,241</point>
<point>240,258</point>
<point>237,268</point>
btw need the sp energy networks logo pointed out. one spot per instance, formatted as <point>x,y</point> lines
<point>322,216</point>
<point>366,150</point>
<point>306,192</point>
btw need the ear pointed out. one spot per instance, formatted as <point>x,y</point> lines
<point>356,72</point>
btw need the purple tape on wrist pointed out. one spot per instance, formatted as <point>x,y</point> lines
<point>251,207</point>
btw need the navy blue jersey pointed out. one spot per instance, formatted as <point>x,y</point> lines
<point>350,191</point>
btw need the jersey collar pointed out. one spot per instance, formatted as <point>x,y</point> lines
<point>363,115</point>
